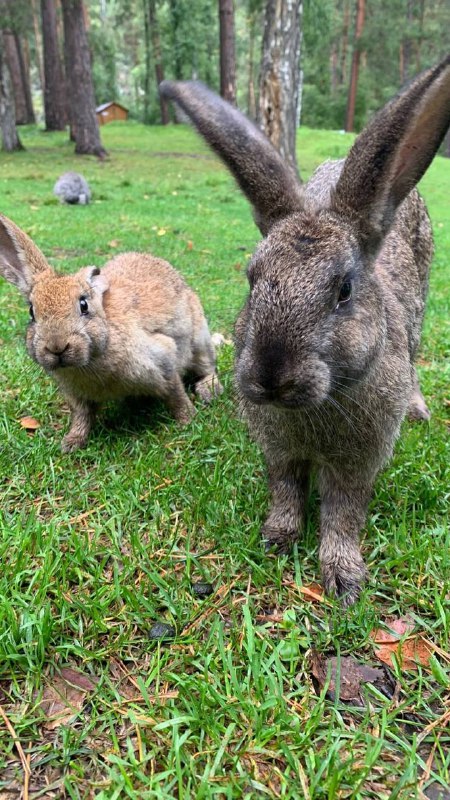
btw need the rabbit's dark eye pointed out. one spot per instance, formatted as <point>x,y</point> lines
<point>31,309</point>
<point>84,308</point>
<point>345,293</point>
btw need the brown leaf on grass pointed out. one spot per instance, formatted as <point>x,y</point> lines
<point>29,423</point>
<point>313,592</point>
<point>401,644</point>
<point>189,245</point>
<point>64,697</point>
<point>114,243</point>
<point>351,675</point>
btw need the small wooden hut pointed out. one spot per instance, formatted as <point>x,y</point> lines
<point>108,112</point>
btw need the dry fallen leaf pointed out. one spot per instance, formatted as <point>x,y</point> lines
<point>114,243</point>
<point>189,245</point>
<point>64,697</point>
<point>313,592</point>
<point>351,675</point>
<point>29,423</point>
<point>399,643</point>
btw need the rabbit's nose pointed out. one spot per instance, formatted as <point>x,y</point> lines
<point>56,349</point>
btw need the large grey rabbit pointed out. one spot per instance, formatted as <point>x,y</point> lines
<point>325,343</point>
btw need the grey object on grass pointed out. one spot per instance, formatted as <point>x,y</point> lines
<point>72,188</point>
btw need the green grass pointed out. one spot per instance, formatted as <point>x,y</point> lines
<point>98,546</point>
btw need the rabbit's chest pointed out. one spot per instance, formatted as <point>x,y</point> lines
<point>331,434</point>
<point>121,372</point>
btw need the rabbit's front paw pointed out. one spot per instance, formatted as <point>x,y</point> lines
<point>344,578</point>
<point>71,443</point>
<point>185,414</point>
<point>278,540</point>
<point>207,388</point>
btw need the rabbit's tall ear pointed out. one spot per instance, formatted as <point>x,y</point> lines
<point>95,278</point>
<point>20,260</point>
<point>271,186</point>
<point>392,153</point>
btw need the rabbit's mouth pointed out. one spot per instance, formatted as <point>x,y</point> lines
<point>289,395</point>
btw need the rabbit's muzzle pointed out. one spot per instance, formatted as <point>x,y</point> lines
<point>272,383</point>
<point>56,352</point>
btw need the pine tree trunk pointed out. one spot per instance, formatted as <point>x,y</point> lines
<point>147,63</point>
<point>447,145</point>
<point>227,51</point>
<point>19,77</point>
<point>38,44</point>
<point>280,77</point>
<point>157,57</point>
<point>12,60</point>
<point>82,115</point>
<point>344,45</point>
<point>351,101</point>
<point>175,20</point>
<point>251,95</point>
<point>54,84</point>
<point>10,137</point>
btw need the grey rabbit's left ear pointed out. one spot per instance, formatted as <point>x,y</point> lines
<point>271,186</point>
<point>392,153</point>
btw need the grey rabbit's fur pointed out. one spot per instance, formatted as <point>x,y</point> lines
<point>72,188</point>
<point>326,342</point>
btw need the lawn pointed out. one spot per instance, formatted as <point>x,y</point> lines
<point>98,546</point>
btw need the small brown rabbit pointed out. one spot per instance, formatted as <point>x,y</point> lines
<point>325,344</point>
<point>132,328</point>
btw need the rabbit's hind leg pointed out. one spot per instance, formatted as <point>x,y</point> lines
<point>288,483</point>
<point>418,408</point>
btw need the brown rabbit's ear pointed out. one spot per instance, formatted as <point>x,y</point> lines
<point>392,153</point>
<point>20,260</point>
<point>95,278</point>
<point>271,186</point>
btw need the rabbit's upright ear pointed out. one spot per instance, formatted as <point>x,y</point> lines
<point>271,186</point>
<point>20,260</point>
<point>392,153</point>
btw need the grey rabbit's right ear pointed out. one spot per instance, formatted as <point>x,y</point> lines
<point>272,187</point>
<point>20,259</point>
<point>392,153</point>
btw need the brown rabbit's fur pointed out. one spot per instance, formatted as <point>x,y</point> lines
<point>143,330</point>
<point>325,344</point>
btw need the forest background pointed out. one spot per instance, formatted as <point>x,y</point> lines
<point>129,38</point>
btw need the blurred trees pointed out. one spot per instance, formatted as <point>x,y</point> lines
<point>55,106</point>
<point>132,44</point>
<point>81,101</point>
<point>10,137</point>
<point>280,76</point>
<point>227,51</point>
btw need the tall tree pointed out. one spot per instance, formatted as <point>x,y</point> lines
<point>14,19</point>
<point>147,62</point>
<point>54,83</point>
<point>351,102</point>
<point>280,77</point>
<point>227,51</point>
<point>10,137</point>
<point>157,57</point>
<point>83,120</point>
